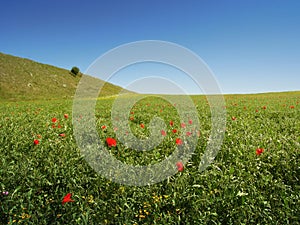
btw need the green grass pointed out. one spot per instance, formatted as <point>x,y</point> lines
<point>239,187</point>
<point>24,79</point>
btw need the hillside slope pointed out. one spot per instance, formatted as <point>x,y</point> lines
<point>24,79</point>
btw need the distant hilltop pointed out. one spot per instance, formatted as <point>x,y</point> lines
<point>24,79</point>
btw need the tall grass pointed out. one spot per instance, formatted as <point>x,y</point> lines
<point>239,187</point>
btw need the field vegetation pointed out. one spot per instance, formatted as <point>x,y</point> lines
<point>254,178</point>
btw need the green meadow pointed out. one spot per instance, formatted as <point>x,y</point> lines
<point>254,178</point>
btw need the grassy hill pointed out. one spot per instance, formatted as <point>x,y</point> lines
<point>24,79</point>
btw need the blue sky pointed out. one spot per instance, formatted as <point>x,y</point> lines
<point>251,46</point>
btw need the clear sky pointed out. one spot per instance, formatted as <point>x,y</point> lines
<point>250,45</point>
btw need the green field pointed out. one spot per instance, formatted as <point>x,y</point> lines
<point>241,186</point>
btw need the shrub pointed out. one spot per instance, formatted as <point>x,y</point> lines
<point>75,71</point>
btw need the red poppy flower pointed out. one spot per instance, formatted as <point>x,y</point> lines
<point>174,131</point>
<point>67,198</point>
<point>179,166</point>
<point>182,125</point>
<point>36,142</point>
<point>62,134</point>
<point>103,127</point>
<point>256,110</point>
<point>131,118</point>
<point>66,116</point>
<point>58,126</point>
<point>178,141</point>
<point>142,125</point>
<point>171,123</point>
<point>259,151</point>
<point>292,107</point>
<point>111,142</point>
<point>264,107</point>
<point>233,118</point>
<point>163,133</point>
<point>54,120</point>
<point>190,122</point>
<point>188,133</point>
<point>39,136</point>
